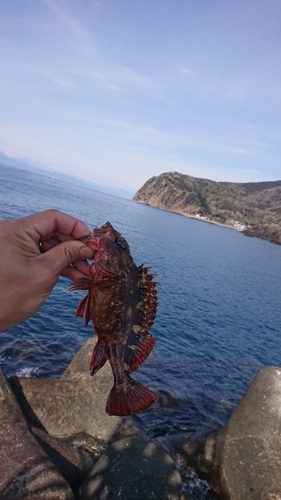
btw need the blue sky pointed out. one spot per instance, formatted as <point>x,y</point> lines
<point>118,91</point>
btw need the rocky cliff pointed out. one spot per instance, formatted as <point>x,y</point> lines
<point>241,205</point>
<point>271,232</point>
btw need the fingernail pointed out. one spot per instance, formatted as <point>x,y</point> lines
<point>86,253</point>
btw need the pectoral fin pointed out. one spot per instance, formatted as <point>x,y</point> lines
<point>80,284</point>
<point>98,359</point>
<point>83,310</point>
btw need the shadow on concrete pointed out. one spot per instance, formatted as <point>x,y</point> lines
<point>133,468</point>
<point>24,404</point>
<point>37,481</point>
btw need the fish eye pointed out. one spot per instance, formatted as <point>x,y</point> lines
<point>121,243</point>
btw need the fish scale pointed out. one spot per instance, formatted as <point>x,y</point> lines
<point>122,303</point>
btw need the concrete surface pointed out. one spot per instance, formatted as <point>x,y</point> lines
<point>25,470</point>
<point>133,469</point>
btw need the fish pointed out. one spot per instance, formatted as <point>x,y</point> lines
<point>121,303</point>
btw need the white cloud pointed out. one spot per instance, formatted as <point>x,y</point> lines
<point>186,71</point>
<point>105,85</point>
<point>11,155</point>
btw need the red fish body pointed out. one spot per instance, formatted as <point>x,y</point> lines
<point>121,302</point>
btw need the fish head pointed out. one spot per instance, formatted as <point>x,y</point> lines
<point>112,252</point>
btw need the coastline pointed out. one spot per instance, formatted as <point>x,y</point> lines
<point>215,223</point>
<point>266,231</point>
<point>201,219</point>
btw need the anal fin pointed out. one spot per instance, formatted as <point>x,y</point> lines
<point>141,349</point>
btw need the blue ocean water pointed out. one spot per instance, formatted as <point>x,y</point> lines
<point>219,315</point>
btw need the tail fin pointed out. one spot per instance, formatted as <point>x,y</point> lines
<point>129,399</point>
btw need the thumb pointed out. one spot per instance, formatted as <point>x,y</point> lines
<point>66,253</point>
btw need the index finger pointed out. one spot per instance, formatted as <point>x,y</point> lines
<point>53,220</point>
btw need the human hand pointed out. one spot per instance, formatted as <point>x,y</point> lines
<point>28,276</point>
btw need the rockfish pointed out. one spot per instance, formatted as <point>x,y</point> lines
<point>121,302</point>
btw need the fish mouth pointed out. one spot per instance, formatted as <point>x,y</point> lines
<point>99,234</point>
<point>90,241</point>
<point>83,238</point>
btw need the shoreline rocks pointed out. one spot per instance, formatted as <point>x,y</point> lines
<point>242,461</point>
<point>52,432</point>
<point>25,470</point>
<point>56,440</point>
<point>270,232</point>
<point>133,469</point>
<point>75,403</point>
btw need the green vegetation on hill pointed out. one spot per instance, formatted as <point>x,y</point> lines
<point>248,204</point>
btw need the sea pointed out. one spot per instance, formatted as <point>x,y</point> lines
<point>218,320</point>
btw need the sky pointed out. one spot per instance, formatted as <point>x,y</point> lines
<point>118,91</point>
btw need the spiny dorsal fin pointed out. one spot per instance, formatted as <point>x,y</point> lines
<point>140,341</point>
<point>148,302</point>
